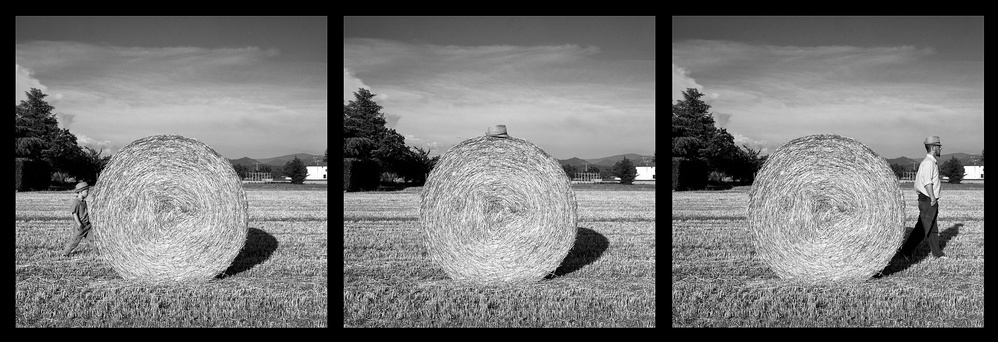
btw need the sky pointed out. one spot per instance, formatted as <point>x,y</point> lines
<point>574,86</point>
<point>246,86</point>
<point>888,82</point>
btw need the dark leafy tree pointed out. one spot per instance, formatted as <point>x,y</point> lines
<point>898,170</point>
<point>953,169</point>
<point>296,170</point>
<point>241,170</point>
<point>570,170</point>
<point>34,125</point>
<point>91,164</point>
<point>365,136</point>
<point>625,170</point>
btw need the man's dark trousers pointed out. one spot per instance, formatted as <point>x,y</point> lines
<point>926,218</point>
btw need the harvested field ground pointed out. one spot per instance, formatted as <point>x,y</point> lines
<point>717,282</point>
<point>279,278</point>
<point>607,280</point>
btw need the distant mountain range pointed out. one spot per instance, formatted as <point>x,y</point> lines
<point>308,159</point>
<point>636,159</point>
<point>965,159</point>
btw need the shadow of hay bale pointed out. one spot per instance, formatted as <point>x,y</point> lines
<point>898,263</point>
<point>589,246</point>
<point>258,248</point>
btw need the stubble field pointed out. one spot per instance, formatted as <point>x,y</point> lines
<point>279,279</point>
<point>717,281</point>
<point>607,280</point>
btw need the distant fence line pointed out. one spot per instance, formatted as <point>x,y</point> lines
<point>587,177</point>
<point>257,177</point>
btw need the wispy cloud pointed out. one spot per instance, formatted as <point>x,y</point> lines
<point>24,80</point>
<point>235,99</point>
<point>350,85</point>
<point>558,96</point>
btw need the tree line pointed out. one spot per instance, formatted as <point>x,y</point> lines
<point>704,154</point>
<point>39,141</point>
<point>294,169</point>
<point>623,169</point>
<point>366,137</point>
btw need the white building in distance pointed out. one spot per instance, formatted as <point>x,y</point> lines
<point>645,173</point>
<point>316,173</point>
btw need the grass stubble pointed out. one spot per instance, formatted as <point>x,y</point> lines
<point>718,282</point>
<point>278,280</point>
<point>608,281</point>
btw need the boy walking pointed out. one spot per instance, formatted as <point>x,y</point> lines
<point>80,217</point>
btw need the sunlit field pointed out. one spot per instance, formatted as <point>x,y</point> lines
<point>279,278</point>
<point>607,280</point>
<point>717,282</point>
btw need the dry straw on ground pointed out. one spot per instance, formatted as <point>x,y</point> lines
<point>168,208</point>
<point>826,207</point>
<point>498,208</point>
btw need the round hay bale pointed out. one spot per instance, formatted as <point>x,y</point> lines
<point>498,208</point>
<point>168,208</point>
<point>826,207</point>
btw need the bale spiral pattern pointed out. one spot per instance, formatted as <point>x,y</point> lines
<point>168,208</point>
<point>498,209</point>
<point>826,207</point>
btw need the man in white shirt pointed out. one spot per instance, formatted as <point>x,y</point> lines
<point>927,186</point>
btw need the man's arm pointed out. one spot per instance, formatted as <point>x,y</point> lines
<point>932,195</point>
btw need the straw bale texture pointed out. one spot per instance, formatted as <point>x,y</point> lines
<point>168,208</point>
<point>498,209</point>
<point>826,207</point>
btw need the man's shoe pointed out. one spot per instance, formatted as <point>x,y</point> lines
<point>942,257</point>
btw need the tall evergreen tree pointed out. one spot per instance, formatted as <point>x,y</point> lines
<point>365,136</point>
<point>296,170</point>
<point>34,125</point>
<point>953,169</point>
<point>625,170</point>
<point>699,144</point>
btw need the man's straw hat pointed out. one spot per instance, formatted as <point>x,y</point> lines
<point>933,140</point>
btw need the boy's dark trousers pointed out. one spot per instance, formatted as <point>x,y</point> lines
<point>927,214</point>
<point>81,233</point>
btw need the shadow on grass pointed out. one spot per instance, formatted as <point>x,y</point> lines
<point>258,248</point>
<point>589,246</point>
<point>898,263</point>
